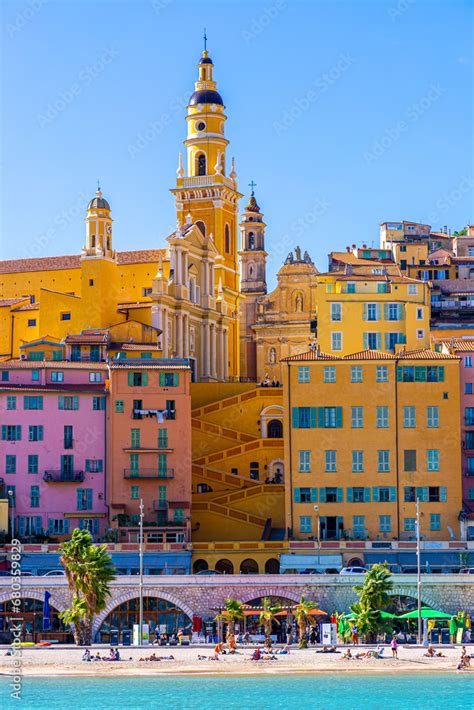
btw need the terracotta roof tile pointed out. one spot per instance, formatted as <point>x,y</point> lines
<point>142,256</point>
<point>464,345</point>
<point>73,261</point>
<point>51,364</point>
<point>425,355</point>
<point>86,338</point>
<point>4,302</point>
<point>312,355</point>
<point>130,306</point>
<point>27,307</point>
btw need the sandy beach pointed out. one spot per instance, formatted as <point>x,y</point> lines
<point>66,661</point>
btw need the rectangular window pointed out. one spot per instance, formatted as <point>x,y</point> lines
<point>33,463</point>
<point>57,377</point>
<point>84,498</point>
<point>5,376</point>
<point>138,379</point>
<point>306,523</point>
<point>98,403</point>
<point>34,497</point>
<point>163,464</point>
<point>433,459</point>
<point>382,417</point>
<point>95,377</point>
<point>331,495</point>
<point>336,341</point>
<point>35,433</point>
<point>66,402</point>
<point>10,463</point>
<point>32,402</point>
<point>383,460</point>
<point>432,417</point>
<point>358,526</point>
<point>372,312</point>
<point>351,287</point>
<point>336,311</point>
<point>94,465</point>
<point>65,316</point>
<point>357,461</point>
<point>385,523</point>
<point>357,417</point>
<point>469,439</point>
<point>420,333</point>
<point>468,361</point>
<point>170,409</point>
<point>357,494</point>
<point>392,312</point>
<point>134,492</point>
<point>31,322</point>
<point>58,526</point>
<point>330,456</point>
<point>372,341</point>
<point>382,287</point>
<point>419,314</point>
<point>119,406</point>
<point>435,521</point>
<point>409,417</point>
<point>169,379</point>
<point>57,355</point>
<point>468,388</point>
<point>162,438</point>
<point>409,524</point>
<point>35,375</point>
<point>305,495</point>
<point>304,417</point>
<point>412,289</point>
<point>356,373</point>
<point>135,438</point>
<point>11,432</point>
<point>11,401</point>
<point>305,461</point>
<point>329,373</point>
<point>410,494</point>
<point>178,516</point>
<point>134,463</point>
<point>303,375</point>
<point>37,355</point>
<point>409,460</point>
<point>420,374</point>
<point>469,416</point>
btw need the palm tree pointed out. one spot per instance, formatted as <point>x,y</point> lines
<point>373,597</point>
<point>302,613</point>
<point>267,616</point>
<point>89,570</point>
<point>233,611</point>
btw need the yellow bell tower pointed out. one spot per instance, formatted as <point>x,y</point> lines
<point>206,191</point>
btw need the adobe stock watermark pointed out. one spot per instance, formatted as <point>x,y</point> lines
<point>412,114</point>
<point>85,77</point>
<point>399,8</point>
<point>159,5</point>
<point>450,198</point>
<point>155,128</point>
<point>62,220</point>
<point>321,85</point>
<point>24,16</point>
<point>299,227</point>
<point>16,622</point>
<point>266,17</point>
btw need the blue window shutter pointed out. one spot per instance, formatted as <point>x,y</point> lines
<point>75,404</point>
<point>89,498</point>
<point>66,526</point>
<point>364,316</point>
<point>38,523</point>
<point>322,495</point>
<point>399,374</point>
<point>379,311</point>
<point>379,341</point>
<point>51,525</point>
<point>442,494</point>
<point>4,432</point>
<point>385,311</point>
<point>40,432</point>
<point>321,417</point>
<point>81,523</point>
<point>340,522</point>
<point>314,495</point>
<point>79,497</point>
<point>400,311</point>
<point>61,401</point>
<point>18,432</point>
<point>387,341</point>
<point>402,338</point>
<point>145,379</point>
<point>130,379</point>
<point>349,495</point>
<point>392,493</point>
<point>40,402</point>
<point>366,495</point>
<point>339,417</point>
<point>297,495</point>
<point>95,526</point>
<point>100,465</point>
<point>312,417</point>
<point>441,373</point>
<point>340,493</point>
<point>366,341</point>
<point>375,494</point>
<point>88,465</point>
<point>295,417</point>
<point>22,523</point>
<point>162,379</point>
<point>26,402</point>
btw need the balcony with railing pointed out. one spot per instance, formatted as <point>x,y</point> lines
<point>148,473</point>
<point>63,476</point>
<point>159,505</point>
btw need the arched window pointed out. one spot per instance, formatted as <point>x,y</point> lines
<point>227,239</point>
<point>108,243</point>
<point>275,429</point>
<point>200,566</point>
<point>201,164</point>
<point>254,471</point>
<point>93,241</point>
<point>272,566</point>
<point>248,567</point>
<point>299,304</point>
<point>251,240</point>
<point>250,271</point>
<point>225,567</point>
<point>201,226</point>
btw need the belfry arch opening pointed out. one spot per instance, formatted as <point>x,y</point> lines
<point>201,164</point>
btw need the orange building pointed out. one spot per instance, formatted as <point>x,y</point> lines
<point>150,449</point>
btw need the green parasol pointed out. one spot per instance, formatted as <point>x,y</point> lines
<point>425,614</point>
<point>387,615</point>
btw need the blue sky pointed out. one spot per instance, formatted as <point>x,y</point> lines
<point>345,114</point>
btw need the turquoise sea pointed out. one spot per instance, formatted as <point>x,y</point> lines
<point>325,691</point>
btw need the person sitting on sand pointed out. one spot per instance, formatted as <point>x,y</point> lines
<point>431,653</point>
<point>97,657</point>
<point>86,656</point>
<point>256,655</point>
<point>219,648</point>
<point>328,649</point>
<point>347,655</point>
<point>285,650</point>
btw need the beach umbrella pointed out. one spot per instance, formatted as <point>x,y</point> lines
<point>387,615</point>
<point>426,614</point>
<point>46,612</point>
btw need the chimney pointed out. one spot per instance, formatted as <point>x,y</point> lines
<point>445,229</point>
<point>364,246</point>
<point>353,246</point>
<point>348,249</point>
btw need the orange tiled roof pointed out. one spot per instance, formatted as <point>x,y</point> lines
<point>11,301</point>
<point>422,354</point>
<point>52,364</point>
<point>73,261</point>
<point>86,338</point>
<point>144,347</point>
<point>137,304</point>
<point>27,307</point>
<point>464,345</point>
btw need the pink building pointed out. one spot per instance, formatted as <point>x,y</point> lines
<point>52,446</point>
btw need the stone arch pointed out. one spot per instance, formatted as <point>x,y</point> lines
<point>260,592</point>
<point>272,411</point>
<point>33,594</point>
<point>127,594</point>
<point>427,599</point>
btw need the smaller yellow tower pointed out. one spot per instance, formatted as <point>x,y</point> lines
<point>98,228</point>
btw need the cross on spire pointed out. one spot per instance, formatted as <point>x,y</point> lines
<point>252,184</point>
<point>205,40</point>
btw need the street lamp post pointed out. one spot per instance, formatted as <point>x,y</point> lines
<point>140,618</point>
<point>418,568</point>
<point>318,531</point>
<point>11,496</point>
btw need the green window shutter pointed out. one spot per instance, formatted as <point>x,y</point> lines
<point>420,374</point>
<point>378,339</point>
<point>130,379</point>
<point>4,432</point>
<point>385,311</point>
<point>40,432</point>
<point>40,402</point>
<point>312,417</point>
<point>145,379</point>
<point>320,417</point>
<point>297,495</point>
<point>442,494</point>
<point>18,432</point>
<point>375,494</point>
<point>441,373</point>
<point>322,495</point>
<point>162,379</point>
<point>175,379</point>
<point>79,498</point>
<point>340,494</point>
<point>350,496</point>
<point>387,341</point>
<point>66,527</point>
<point>402,338</point>
<point>339,417</point>
<point>399,374</point>
<point>100,466</point>
<point>295,420</point>
<point>51,525</point>
<point>38,523</point>
<point>61,401</point>
<point>364,316</point>
<point>22,522</point>
<point>88,465</point>
<point>314,495</point>
<point>392,496</point>
<point>95,526</point>
<point>400,311</point>
<point>75,403</point>
<point>366,495</point>
<point>26,402</point>
<point>366,341</point>
<point>162,463</point>
<point>89,498</point>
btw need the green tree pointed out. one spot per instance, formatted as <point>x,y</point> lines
<point>302,613</point>
<point>267,616</point>
<point>233,611</point>
<point>373,598</point>
<point>89,571</point>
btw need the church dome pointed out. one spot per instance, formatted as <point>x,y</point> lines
<point>206,96</point>
<point>98,202</point>
<point>205,60</point>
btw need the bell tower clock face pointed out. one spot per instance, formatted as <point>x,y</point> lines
<point>108,229</point>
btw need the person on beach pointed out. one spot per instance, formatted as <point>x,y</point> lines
<point>347,655</point>
<point>86,656</point>
<point>256,655</point>
<point>355,635</point>
<point>394,647</point>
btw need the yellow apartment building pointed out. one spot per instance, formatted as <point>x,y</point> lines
<point>365,436</point>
